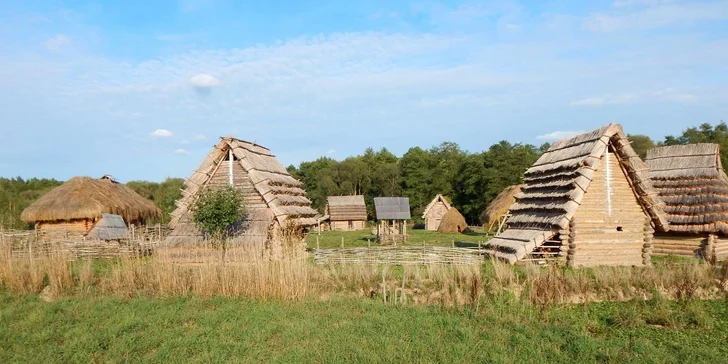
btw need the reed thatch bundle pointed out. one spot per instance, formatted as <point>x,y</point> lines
<point>555,185</point>
<point>88,198</point>
<point>691,181</point>
<point>500,205</point>
<point>453,222</point>
<point>346,208</point>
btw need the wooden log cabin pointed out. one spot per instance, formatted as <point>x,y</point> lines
<point>392,214</point>
<point>586,201</point>
<point>71,210</point>
<point>691,181</point>
<point>434,212</point>
<point>272,197</point>
<point>345,213</point>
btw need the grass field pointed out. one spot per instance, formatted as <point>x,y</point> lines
<point>188,329</point>
<point>419,237</point>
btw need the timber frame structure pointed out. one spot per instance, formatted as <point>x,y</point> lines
<point>435,211</point>
<point>587,201</point>
<point>392,214</point>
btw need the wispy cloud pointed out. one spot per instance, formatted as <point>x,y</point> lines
<point>560,135</point>
<point>161,133</point>
<point>181,151</point>
<point>184,141</point>
<point>331,151</point>
<point>200,137</point>
<point>666,95</point>
<point>57,42</point>
<point>658,14</point>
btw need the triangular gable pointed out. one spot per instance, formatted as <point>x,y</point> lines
<point>434,201</point>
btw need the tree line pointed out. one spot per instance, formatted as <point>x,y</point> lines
<point>469,180</point>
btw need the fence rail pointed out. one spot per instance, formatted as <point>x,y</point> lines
<point>402,255</point>
<point>88,249</point>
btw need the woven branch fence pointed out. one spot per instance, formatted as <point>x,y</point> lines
<point>88,249</point>
<point>402,255</point>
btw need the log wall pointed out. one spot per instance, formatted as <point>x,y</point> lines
<point>64,229</point>
<point>609,226</point>
<point>705,246</point>
<point>347,225</point>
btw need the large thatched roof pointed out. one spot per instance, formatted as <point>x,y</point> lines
<point>438,198</point>
<point>346,208</point>
<point>392,208</point>
<point>555,185</point>
<point>282,194</point>
<point>692,183</point>
<point>88,198</point>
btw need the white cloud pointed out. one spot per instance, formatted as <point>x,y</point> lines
<point>204,81</point>
<point>657,15</point>
<point>200,137</point>
<point>181,151</point>
<point>184,141</point>
<point>161,133</point>
<point>57,42</point>
<point>665,95</point>
<point>331,151</point>
<point>560,135</point>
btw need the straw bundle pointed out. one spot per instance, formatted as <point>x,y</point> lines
<point>453,222</point>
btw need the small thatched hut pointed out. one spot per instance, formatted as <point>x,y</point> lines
<point>434,212</point>
<point>691,181</point>
<point>72,209</point>
<point>272,197</point>
<point>346,213</point>
<point>496,212</point>
<point>588,200</point>
<point>392,214</point>
<point>453,222</point>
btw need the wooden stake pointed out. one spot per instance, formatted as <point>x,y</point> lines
<point>342,241</point>
<point>317,242</point>
<point>453,243</point>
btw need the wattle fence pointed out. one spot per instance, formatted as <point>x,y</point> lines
<point>399,255</point>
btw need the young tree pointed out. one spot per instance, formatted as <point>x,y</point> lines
<point>216,212</point>
<point>641,144</point>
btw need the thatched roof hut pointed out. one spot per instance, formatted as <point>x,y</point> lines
<point>452,222</point>
<point>588,197</point>
<point>78,204</point>
<point>346,213</point>
<point>498,208</point>
<point>691,181</point>
<point>272,197</point>
<point>434,212</point>
<point>392,214</point>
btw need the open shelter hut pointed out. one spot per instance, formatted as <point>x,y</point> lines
<point>452,222</point>
<point>434,212</point>
<point>691,181</point>
<point>73,209</point>
<point>588,201</point>
<point>496,213</point>
<point>345,213</point>
<point>273,199</point>
<point>392,214</point>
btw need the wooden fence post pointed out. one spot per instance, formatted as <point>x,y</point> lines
<point>317,242</point>
<point>342,241</point>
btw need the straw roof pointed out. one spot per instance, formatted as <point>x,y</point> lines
<point>88,198</point>
<point>282,194</point>
<point>392,208</point>
<point>346,208</point>
<point>555,185</point>
<point>500,205</point>
<point>691,181</point>
<point>452,222</point>
<point>438,198</point>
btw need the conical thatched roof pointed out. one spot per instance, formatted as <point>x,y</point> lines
<point>452,222</point>
<point>555,185</point>
<point>438,198</point>
<point>88,198</point>
<point>500,205</point>
<point>692,183</point>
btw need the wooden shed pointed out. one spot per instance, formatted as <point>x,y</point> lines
<point>72,209</point>
<point>392,214</point>
<point>434,212</point>
<point>691,181</point>
<point>272,197</point>
<point>346,213</point>
<point>587,201</point>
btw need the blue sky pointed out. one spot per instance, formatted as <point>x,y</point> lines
<point>143,89</point>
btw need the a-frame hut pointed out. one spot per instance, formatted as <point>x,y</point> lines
<point>691,181</point>
<point>75,208</point>
<point>272,197</point>
<point>587,200</point>
<point>434,212</point>
<point>346,213</point>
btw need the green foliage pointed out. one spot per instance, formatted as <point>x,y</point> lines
<point>16,194</point>
<point>705,133</point>
<point>163,194</point>
<point>341,329</point>
<point>217,210</point>
<point>641,144</point>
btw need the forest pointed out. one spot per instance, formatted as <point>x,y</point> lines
<point>470,180</point>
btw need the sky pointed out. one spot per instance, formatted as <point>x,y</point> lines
<point>144,89</point>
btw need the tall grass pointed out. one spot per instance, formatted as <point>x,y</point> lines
<point>245,274</point>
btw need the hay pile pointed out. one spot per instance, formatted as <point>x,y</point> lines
<point>453,222</point>
<point>500,205</point>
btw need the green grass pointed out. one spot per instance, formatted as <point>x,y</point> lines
<point>102,329</point>
<point>418,237</point>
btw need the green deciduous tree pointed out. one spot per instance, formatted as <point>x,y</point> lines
<point>216,212</point>
<point>705,133</point>
<point>641,144</point>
